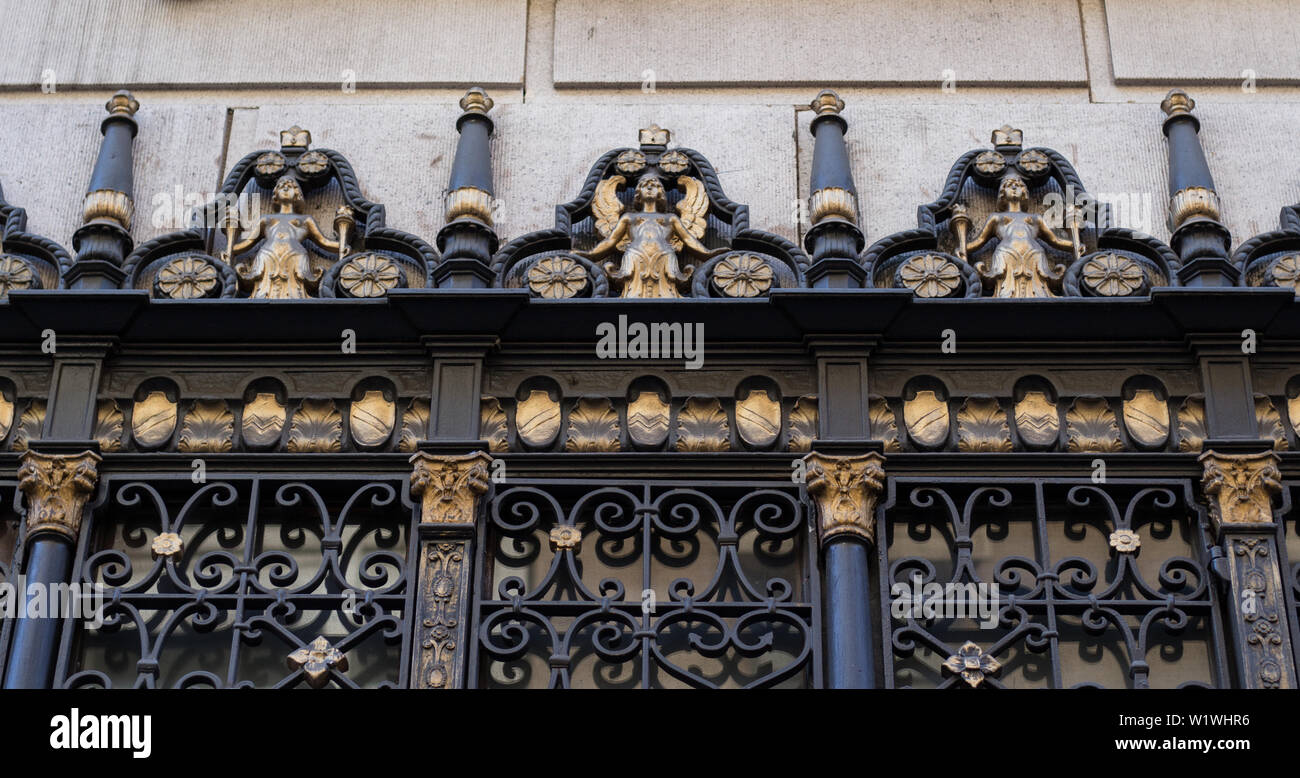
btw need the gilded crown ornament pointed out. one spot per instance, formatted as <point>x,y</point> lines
<point>654,135</point>
<point>1007,136</point>
<point>295,138</point>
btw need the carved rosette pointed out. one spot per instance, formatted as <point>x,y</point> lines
<point>449,486</point>
<point>57,487</point>
<point>845,490</point>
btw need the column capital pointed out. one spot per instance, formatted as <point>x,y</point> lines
<point>57,487</point>
<point>1240,488</point>
<point>449,486</point>
<point>846,490</point>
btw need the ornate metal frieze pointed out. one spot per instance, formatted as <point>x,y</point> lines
<point>1036,419</point>
<point>845,489</point>
<point>1017,223</point>
<point>56,487</point>
<point>277,230</point>
<point>651,222</point>
<point>372,419</point>
<point>758,418</point>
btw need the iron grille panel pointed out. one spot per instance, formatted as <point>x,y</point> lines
<point>730,567</point>
<point>1073,609</point>
<point>267,565</point>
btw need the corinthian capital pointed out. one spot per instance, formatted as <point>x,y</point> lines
<point>449,486</point>
<point>57,487</point>
<point>1240,487</point>
<point>846,490</point>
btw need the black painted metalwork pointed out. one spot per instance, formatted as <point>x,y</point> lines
<point>1061,587</point>
<point>267,565</point>
<point>675,584</point>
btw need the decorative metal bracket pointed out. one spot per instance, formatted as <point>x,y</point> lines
<point>651,222</point>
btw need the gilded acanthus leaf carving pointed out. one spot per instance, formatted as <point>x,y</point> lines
<point>209,427</point>
<point>593,426</point>
<point>803,423</point>
<point>1091,426</point>
<point>109,424</point>
<point>883,426</point>
<point>492,424</point>
<point>1191,423</point>
<point>1270,422</point>
<point>30,424</point>
<point>415,424</point>
<point>702,426</point>
<point>1241,487</point>
<point>56,487</point>
<point>317,427</point>
<point>845,489</point>
<point>449,486</point>
<point>982,426</point>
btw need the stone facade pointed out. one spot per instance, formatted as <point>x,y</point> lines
<point>380,82</point>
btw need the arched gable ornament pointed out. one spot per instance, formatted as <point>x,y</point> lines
<point>650,222</point>
<point>1014,222</point>
<point>259,238</point>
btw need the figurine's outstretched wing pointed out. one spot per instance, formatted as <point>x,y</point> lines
<point>606,208</point>
<point>693,206</point>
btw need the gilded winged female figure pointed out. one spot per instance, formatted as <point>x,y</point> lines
<point>650,238</point>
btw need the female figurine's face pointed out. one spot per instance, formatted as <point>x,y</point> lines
<point>1014,189</point>
<point>651,190</point>
<point>287,191</point>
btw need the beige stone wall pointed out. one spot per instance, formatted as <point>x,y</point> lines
<point>379,82</point>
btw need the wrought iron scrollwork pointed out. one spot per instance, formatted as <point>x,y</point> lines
<point>1036,582</point>
<point>647,585</point>
<point>244,581</point>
